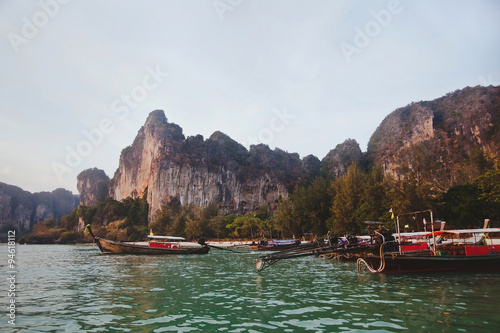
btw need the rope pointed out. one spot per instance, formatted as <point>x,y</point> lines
<point>382,259</point>
<point>369,267</point>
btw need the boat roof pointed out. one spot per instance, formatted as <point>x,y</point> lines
<point>166,237</point>
<point>441,232</point>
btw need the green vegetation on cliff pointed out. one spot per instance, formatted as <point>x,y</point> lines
<point>125,220</point>
<point>358,196</point>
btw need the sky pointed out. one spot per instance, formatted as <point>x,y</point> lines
<point>79,78</point>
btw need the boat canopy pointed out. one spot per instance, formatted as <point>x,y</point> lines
<point>167,237</point>
<point>444,232</point>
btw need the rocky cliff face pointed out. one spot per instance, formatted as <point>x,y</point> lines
<point>444,142</point>
<point>92,184</point>
<point>441,143</point>
<point>165,164</point>
<point>199,186</point>
<point>338,160</point>
<point>20,209</point>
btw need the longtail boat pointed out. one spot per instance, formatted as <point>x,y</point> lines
<point>384,252</point>
<point>461,250</point>
<point>444,250</point>
<point>154,245</point>
<point>276,245</point>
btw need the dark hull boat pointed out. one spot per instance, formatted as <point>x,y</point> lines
<point>425,262</point>
<point>109,246</point>
<point>467,250</point>
<point>155,245</point>
<point>474,250</point>
<point>277,245</point>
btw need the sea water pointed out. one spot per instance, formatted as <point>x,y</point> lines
<point>65,288</point>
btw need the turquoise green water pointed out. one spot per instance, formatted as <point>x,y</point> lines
<point>77,289</point>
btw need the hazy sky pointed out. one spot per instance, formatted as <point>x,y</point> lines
<point>78,78</point>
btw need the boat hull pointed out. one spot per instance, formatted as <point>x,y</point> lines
<point>112,247</point>
<point>426,263</point>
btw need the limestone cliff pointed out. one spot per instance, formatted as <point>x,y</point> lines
<point>444,142</point>
<point>441,143</point>
<point>338,160</point>
<point>218,170</point>
<point>92,184</point>
<point>20,209</point>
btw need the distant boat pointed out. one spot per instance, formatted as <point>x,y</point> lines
<point>154,245</point>
<point>276,244</point>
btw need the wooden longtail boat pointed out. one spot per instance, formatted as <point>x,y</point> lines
<point>276,245</point>
<point>155,245</point>
<point>383,252</point>
<point>475,254</point>
<point>426,262</point>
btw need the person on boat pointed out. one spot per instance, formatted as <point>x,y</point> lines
<point>390,241</point>
<point>334,240</point>
<point>384,236</point>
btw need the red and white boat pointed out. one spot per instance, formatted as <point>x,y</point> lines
<point>445,250</point>
<point>154,245</point>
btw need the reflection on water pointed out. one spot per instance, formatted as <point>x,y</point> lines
<point>75,288</point>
